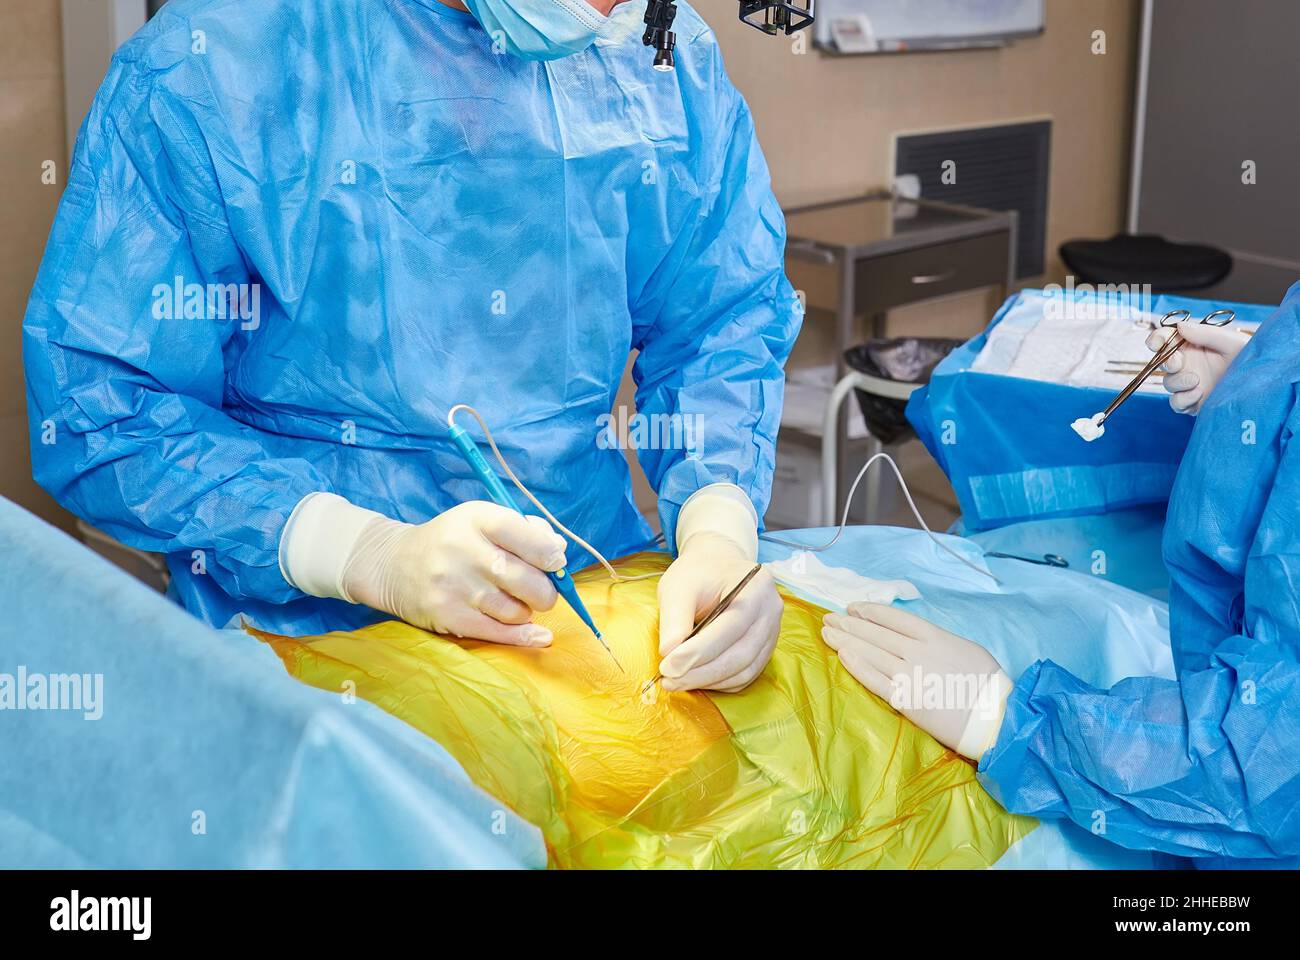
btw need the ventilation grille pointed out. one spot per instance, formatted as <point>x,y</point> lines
<point>997,168</point>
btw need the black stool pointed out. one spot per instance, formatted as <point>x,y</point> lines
<point>1146,259</point>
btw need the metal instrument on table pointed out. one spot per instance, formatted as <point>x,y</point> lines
<point>1048,560</point>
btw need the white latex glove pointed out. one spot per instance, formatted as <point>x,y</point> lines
<point>476,570</point>
<point>717,543</point>
<point>949,687</point>
<point>1198,366</point>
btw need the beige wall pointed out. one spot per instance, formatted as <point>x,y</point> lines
<point>32,131</point>
<point>826,123</point>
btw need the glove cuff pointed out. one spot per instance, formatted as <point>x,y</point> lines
<point>1226,341</point>
<point>721,508</point>
<point>985,721</point>
<point>318,541</point>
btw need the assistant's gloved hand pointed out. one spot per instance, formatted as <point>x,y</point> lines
<point>476,570</point>
<point>717,543</point>
<point>949,687</point>
<point>1198,366</point>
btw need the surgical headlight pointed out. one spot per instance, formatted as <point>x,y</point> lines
<point>773,17</point>
<point>778,16</point>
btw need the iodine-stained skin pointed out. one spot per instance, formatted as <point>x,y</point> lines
<point>804,768</point>
<point>610,744</point>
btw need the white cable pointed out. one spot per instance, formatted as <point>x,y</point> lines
<point>617,577</point>
<point>910,502</point>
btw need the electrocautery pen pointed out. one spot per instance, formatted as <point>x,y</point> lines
<point>500,495</point>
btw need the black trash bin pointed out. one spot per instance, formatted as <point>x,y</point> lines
<point>903,360</point>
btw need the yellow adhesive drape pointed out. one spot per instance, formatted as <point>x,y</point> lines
<point>804,768</point>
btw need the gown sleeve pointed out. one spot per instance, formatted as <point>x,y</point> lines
<point>724,321</point>
<point>1203,766</point>
<point>125,380</point>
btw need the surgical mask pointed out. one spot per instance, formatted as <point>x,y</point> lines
<point>539,29</point>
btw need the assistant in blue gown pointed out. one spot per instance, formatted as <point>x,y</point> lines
<point>1207,766</point>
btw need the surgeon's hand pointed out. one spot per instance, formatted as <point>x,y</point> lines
<point>477,570</point>
<point>1195,370</point>
<point>717,543</point>
<point>731,652</point>
<point>951,688</point>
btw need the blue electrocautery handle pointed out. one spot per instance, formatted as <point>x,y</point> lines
<point>500,495</point>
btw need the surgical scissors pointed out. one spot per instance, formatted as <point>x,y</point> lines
<point>713,615</point>
<point>1219,318</point>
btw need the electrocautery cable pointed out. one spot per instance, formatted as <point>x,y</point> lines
<point>614,574</point>
<point>844,520</point>
<point>618,578</point>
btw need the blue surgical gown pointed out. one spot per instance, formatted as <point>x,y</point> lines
<point>412,221</point>
<point>1207,766</point>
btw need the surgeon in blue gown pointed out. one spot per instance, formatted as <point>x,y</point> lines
<point>1206,766</point>
<point>296,233</point>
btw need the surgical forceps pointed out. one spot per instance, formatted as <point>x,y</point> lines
<point>1049,559</point>
<point>1219,318</point>
<point>713,615</point>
